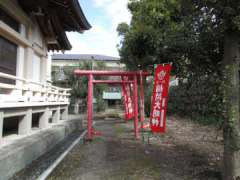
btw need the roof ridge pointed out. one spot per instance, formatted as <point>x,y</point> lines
<point>84,54</point>
<point>81,54</point>
<point>84,57</point>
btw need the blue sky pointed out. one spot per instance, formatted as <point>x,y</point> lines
<point>104,16</point>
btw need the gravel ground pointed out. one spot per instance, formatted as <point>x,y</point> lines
<point>188,151</point>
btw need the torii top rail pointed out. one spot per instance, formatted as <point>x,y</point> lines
<point>134,75</point>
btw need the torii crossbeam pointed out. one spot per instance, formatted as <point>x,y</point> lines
<point>91,82</point>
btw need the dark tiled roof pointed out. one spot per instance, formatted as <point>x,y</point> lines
<point>96,57</point>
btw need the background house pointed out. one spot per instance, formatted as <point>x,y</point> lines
<point>72,61</point>
<point>62,63</point>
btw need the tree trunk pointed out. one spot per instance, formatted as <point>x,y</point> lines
<point>231,131</point>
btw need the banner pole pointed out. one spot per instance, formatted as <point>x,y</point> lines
<point>141,100</point>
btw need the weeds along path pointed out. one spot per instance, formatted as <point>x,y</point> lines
<point>187,151</point>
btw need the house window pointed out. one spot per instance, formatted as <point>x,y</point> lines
<point>9,20</point>
<point>8,59</point>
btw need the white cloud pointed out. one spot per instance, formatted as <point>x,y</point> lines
<point>95,41</point>
<point>101,39</point>
<point>115,9</point>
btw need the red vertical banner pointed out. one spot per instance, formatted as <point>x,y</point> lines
<point>125,99</point>
<point>128,102</point>
<point>160,98</point>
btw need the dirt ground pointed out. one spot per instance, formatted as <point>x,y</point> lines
<point>188,151</point>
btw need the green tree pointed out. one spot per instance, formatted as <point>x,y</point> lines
<point>201,38</point>
<point>79,86</point>
<point>227,15</point>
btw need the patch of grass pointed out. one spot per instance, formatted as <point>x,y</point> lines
<point>136,167</point>
<point>119,129</point>
<point>203,120</point>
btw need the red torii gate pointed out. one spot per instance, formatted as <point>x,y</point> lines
<point>132,75</point>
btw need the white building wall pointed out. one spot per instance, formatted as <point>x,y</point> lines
<point>31,46</point>
<point>49,67</point>
<point>37,36</point>
<point>31,94</point>
<point>36,68</point>
<point>33,68</point>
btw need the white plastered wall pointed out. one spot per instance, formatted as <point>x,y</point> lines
<point>31,46</point>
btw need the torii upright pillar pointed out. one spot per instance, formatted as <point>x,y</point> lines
<point>90,105</point>
<point>135,92</point>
